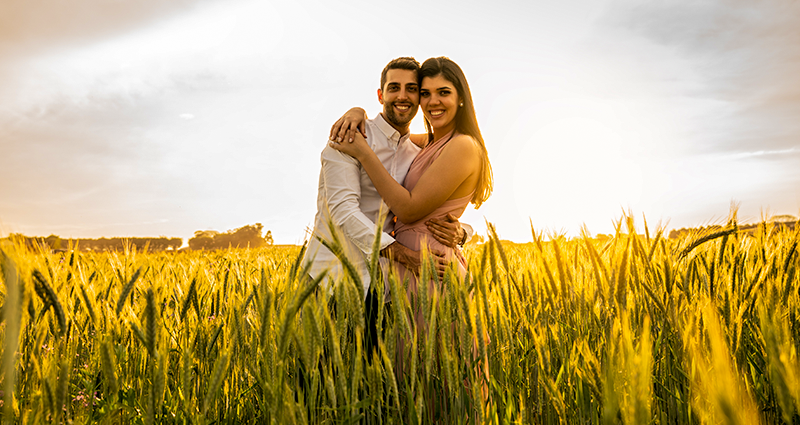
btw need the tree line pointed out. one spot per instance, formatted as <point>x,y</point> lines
<point>56,243</point>
<point>243,237</point>
<point>781,221</point>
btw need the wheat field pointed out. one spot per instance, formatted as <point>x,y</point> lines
<point>634,329</point>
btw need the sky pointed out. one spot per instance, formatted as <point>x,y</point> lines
<point>160,118</point>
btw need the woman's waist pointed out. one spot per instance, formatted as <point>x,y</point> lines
<point>415,238</point>
<point>455,207</point>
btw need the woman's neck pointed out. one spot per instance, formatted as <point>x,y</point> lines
<point>440,132</point>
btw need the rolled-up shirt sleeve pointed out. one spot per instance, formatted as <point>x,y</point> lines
<point>341,174</point>
<point>468,230</point>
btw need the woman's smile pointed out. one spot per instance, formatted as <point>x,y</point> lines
<point>439,101</point>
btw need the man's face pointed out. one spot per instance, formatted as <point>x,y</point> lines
<point>400,97</point>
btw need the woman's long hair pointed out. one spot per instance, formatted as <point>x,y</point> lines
<point>466,122</point>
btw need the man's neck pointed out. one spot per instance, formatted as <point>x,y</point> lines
<point>403,130</point>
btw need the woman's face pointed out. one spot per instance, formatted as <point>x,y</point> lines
<point>439,101</point>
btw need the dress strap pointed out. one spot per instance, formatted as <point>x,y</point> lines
<point>435,153</point>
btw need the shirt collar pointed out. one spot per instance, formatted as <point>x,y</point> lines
<point>390,132</point>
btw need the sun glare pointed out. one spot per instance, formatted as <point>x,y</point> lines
<point>580,164</point>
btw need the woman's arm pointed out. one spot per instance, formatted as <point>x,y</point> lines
<point>458,161</point>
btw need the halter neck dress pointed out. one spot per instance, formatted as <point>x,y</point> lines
<point>415,235</point>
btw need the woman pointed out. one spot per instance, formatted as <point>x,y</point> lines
<point>451,171</point>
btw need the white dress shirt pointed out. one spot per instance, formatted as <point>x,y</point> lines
<point>347,197</point>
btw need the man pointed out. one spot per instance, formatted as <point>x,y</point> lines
<point>347,196</point>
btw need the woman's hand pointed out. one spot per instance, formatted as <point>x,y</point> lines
<point>351,122</point>
<point>358,148</point>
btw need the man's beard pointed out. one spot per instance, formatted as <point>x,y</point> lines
<point>398,120</point>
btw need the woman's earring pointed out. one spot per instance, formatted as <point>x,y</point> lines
<point>461,105</point>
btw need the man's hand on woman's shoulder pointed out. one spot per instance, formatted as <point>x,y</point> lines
<point>345,127</point>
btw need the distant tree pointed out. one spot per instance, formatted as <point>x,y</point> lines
<point>268,238</point>
<point>203,239</point>
<point>248,236</point>
<point>162,243</point>
<point>677,233</point>
<point>243,237</point>
<point>175,243</point>
<point>785,218</point>
<point>201,242</point>
<point>53,241</point>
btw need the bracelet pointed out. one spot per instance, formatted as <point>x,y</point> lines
<point>463,239</point>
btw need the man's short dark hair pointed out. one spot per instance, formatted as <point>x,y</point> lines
<point>404,62</point>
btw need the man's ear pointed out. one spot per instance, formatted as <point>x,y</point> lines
<point>380,96</point>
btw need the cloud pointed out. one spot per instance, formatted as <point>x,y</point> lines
<point>211,46</point>
<point>766,154</point>
<point>39,23</point>
<point>746,55</point>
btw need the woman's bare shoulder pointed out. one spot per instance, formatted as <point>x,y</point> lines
<point>465,143</point>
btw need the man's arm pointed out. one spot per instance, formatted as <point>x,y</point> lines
<point>342,186</point>
<point>412,260</point>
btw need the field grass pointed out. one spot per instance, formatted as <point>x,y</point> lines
<point>636,329</point>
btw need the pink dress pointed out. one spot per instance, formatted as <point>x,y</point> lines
<point>415,235</point>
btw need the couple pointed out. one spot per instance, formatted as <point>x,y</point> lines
<point>426,180</point>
